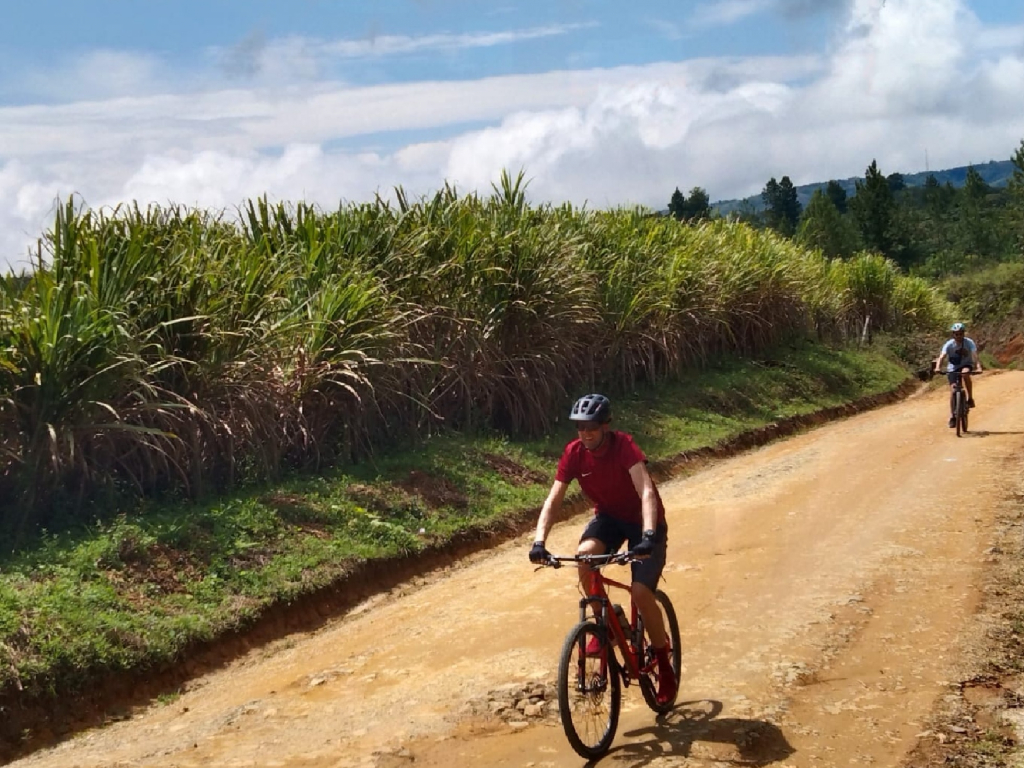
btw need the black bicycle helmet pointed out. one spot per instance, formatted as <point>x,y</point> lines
<point>592,408</point>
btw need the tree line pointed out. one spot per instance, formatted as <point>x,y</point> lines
<point>933,229</point>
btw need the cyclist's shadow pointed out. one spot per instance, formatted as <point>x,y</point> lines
<point>756,742</point>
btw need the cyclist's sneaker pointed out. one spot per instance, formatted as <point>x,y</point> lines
<point>952,421</point>
<point>594,646</point>
<point>970,402</point>
<point>666,677</point>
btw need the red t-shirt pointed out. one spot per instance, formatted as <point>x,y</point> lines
<point>605,478</point>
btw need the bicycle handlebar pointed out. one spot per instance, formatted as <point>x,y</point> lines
<point>596,561</point>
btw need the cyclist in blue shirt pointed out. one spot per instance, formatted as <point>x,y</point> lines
<point>962,354</point>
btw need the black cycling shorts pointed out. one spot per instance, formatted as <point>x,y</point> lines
<point>613,532</point>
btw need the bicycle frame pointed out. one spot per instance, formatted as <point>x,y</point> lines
<point>958,399</point>
<point>958,387</point>
<point>597,596</point>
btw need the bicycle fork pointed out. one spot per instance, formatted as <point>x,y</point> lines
<point>631,667</point>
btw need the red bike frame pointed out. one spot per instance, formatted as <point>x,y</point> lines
<point>631,648</point>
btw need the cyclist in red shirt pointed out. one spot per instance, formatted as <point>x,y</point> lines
<point>612,472</point>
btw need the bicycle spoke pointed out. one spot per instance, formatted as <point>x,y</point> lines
<point>588,691</point>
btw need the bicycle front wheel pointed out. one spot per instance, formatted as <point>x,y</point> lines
<point>961,414</point>
<point>589,696</point>
<point>649,679</point>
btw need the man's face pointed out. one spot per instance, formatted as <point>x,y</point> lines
<point>591,433</point>
<point>958,336</point>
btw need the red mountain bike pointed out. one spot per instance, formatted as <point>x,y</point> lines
<point>604,651</point>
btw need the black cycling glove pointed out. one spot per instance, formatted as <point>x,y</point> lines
<point>646,546</point>
<point>539,553</point>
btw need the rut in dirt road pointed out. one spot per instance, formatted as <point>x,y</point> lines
<point>825,586</point>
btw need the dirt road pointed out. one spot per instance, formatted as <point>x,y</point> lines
<point>825,585</point>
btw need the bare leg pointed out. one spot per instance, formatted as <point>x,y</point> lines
<point>651,613</point>
<point>588,547</point>
<point>647,603</point>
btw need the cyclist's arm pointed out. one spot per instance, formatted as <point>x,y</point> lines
<point>976,357</point>
<point>644,486</point>
<point>552,504</point>
<point>938,360</point>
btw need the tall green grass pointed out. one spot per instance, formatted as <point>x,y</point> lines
<point>177,351</point>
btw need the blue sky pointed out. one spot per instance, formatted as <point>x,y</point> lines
<point>603,103</point>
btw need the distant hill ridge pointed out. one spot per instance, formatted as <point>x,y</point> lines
<point>995,174</point>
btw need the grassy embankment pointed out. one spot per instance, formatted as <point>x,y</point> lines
<point>993,300</point>
<point>136,591</point>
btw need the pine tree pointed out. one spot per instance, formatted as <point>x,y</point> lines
<point>698,204</point>
<point>770,198</point>
<point>975,234</point>
<point>791,207</point>
<point>835,192</point>
<point>782,207</point>
<point>1014,215</point>
<point>896,183</point>
<point>938,199</point>
<point>825,228</point>
<point>874,209</point>
<point>677,205</point>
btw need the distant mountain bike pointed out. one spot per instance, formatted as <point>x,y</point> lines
<point>590,672</point>
<point>958,403</point>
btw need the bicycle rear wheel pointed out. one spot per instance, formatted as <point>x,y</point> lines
<point>589,693</point>
<point>649,678</point>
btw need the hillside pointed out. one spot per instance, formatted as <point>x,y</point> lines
<point>995,173</point>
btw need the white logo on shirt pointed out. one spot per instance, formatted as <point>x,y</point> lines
<point>586,474</point>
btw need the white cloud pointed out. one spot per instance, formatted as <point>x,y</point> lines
<point>303,58</point>
<point>726,12</point>
<point>98,74</point>
<point>1009,38</point>
<point>24,205</point>
<point>390,45</point>
<point>241,119</point>
<point>901,58</point>
<point>104,74</point>
<point>911,77</point>
<point>894,89</point>
<point>286,60</point>
<point>218,180</point>
<point>629,145</point>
